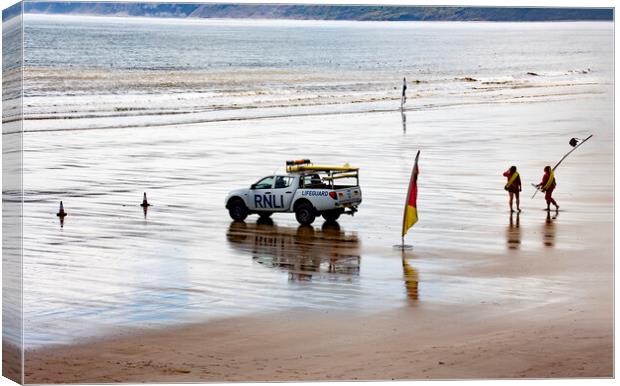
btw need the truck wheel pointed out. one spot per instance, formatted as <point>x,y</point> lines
<point>331,215</point>
<point>304,214</point>
<point>237,210</point>
<point>264,215</point>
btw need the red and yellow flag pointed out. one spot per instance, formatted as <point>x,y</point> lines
<point>410,216</point>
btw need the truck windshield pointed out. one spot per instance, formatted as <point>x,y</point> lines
<point>265,183</point>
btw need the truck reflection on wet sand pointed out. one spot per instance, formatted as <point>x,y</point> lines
<point>307,253</point>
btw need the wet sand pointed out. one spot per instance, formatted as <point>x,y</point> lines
<point>483,293</point>
<point>554,336</point>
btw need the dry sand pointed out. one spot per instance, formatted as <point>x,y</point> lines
<point>397,345</point>
<point>11,362</point>
<point>555,336</point>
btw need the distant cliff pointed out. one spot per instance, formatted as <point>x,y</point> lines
<point>111,9</point>
<point>320,12</point>
<point>398,13</point>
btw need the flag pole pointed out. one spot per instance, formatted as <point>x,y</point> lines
<point>415,165</point>
<point>405,208</point>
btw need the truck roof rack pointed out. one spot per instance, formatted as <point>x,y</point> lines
<point>320,168</point>
<point>341,175</point>
<point>304,161</point>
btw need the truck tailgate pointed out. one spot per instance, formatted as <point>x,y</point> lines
<point>349,195</point>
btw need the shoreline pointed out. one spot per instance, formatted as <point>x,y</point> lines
<point>197,122</point>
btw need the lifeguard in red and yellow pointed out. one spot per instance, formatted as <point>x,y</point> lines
<point>513,186</point>
<point>547,185</point>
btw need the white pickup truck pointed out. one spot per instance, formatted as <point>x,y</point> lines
<point>307,190</point>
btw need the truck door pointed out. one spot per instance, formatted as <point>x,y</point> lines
<point>261,195</point>
<point>283,191</point>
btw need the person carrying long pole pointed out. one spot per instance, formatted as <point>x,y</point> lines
<point>547,185</point>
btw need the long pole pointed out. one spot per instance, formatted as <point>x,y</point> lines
<point>566,155</point>
<point>563,158</point>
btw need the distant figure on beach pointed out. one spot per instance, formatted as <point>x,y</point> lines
<point>61,214</point>
<point>403,97</point>
<point>547,185</point>
<point>145,202</point>
<point>513,186</point>
<point>61,211</point>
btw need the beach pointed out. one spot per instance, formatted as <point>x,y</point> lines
<point>180,292</point>
<point>557,336</point>
<point>487,293</point>
<point>342,347</point>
